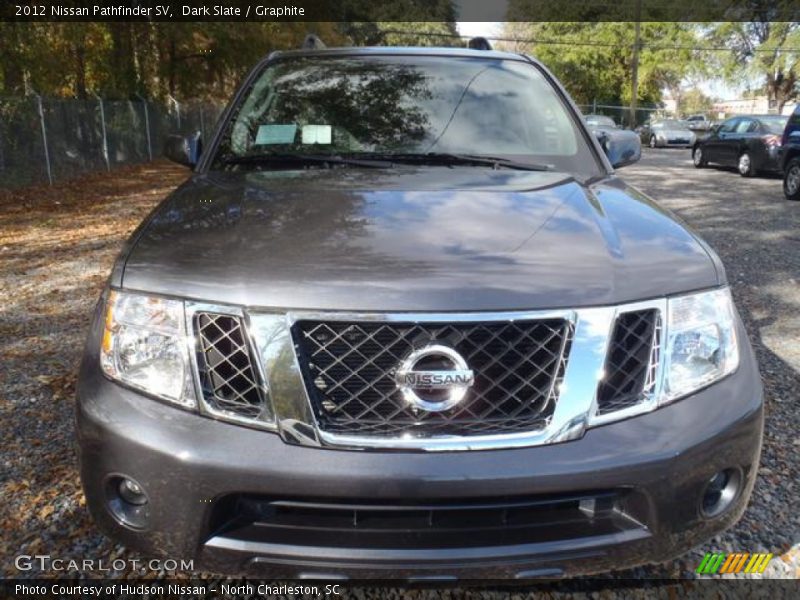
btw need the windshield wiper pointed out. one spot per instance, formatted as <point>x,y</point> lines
<point>385,160</point>
<point>330,159</point>
<point>447,158</point>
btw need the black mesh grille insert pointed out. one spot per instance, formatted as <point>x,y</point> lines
<point>226,371</point>
<point>349,371</point>
<point>631,361</point>
<point>370,523</point>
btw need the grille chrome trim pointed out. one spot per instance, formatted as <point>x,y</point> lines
<point>230,381</point>
<point>654,382</point>
<point>631,361</point>
<point>591,328</point>
<point>348,367</point>
<point>192,310</point>
<point>269,335</point>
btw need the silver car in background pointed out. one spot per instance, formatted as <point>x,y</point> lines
<point>667,132</point>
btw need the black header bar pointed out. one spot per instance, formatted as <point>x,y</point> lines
<point>403,10</point>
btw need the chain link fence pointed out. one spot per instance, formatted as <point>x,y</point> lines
<point>52,139</point>
<point>622,114</point>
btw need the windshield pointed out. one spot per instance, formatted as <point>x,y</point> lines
<point>774,124</point>
<point>600,121</point>
<point>389,105</point>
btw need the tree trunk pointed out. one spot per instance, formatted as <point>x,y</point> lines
<point>80,70</point>
<point>13,74</point>
<point>781,89</point>
<point>122,67</point>
<point>172,60</point>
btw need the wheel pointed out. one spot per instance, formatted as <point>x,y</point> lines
<point>746,165</point>
<point>698,158</point>
<point>652,141</point>
<point>791,180</point>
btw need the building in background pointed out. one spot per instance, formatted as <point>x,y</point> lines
<point>758,105</point>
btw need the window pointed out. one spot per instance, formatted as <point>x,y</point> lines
<point>362,105</point>
<point>729,126</point>
<point>774,125</point>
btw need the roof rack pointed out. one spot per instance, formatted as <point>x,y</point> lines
<point>312,42</point>
<point>479,43</point>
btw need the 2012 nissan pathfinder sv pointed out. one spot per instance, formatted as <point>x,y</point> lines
<point>405,321</point>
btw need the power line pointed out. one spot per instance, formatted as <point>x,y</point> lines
<point>589,43</point>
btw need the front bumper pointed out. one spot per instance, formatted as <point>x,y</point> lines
<point>190,466</point>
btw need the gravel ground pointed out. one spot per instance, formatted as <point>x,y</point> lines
<point>56,249</point>
<point>757,234</point>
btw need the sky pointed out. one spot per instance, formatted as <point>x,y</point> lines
<point>711,87</point>
<point>479,28</point>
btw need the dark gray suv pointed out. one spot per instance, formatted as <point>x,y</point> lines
<point>404,321</point>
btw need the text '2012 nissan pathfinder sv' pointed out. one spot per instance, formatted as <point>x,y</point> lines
<point>404,321</point>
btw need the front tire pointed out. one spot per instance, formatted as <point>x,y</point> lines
<point>791,180</point>
<point>698,158</point>
<point>745,165</point>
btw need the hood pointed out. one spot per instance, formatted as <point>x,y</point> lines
<point>413,239</point>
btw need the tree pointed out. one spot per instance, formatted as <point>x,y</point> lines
<point>763,49</point>
<point>694,101</point>
<point>186,59</point>
<point>372,23</point>
<point>593,60</point>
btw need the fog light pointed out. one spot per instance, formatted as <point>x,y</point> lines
<point>720,492</point>
<point>131,492</point>
<point>127,502</point>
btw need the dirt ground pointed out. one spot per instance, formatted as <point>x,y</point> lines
<point>57,246</point>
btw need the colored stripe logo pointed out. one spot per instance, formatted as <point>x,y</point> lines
<point>718,563</point>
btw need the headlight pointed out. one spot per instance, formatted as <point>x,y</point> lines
<point>145,346</point>
<point>701,345</point>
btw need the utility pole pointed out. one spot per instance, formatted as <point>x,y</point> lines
<point>635,62</point>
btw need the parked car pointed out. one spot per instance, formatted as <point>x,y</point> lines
<point>751,143</point>
<point>600,121</point>
<point>667,132</point>
<point>790,156</point>
<point>698,123</point>
<point>404,321</point>
<point>620,145</point>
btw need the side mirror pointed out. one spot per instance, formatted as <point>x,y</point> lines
<point>184,150</point>
<point>622,148</point>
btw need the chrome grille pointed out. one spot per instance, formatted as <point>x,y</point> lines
<point>228,380</point>
<point>631,361</point>
<point>349,369</point>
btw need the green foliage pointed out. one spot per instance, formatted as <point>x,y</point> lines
<point>594,60</point>
<point>765,50</point>
<point>185,60</point>
<point>693,102</point>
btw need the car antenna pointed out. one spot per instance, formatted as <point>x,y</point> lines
<point>479,43</point>
<point>312,42</point>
